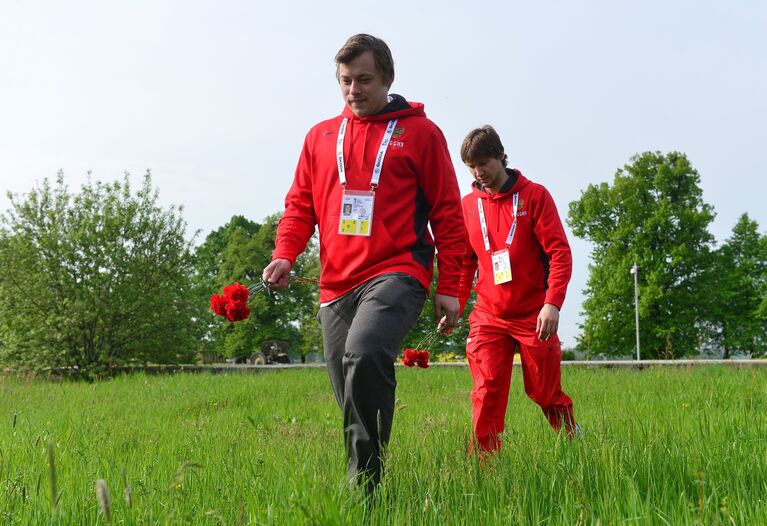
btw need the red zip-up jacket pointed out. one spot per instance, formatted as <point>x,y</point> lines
<point>541,262</point>
<point>417,186</point>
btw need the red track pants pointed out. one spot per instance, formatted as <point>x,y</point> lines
<point>490,351</point>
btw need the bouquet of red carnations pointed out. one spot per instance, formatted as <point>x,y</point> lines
<point>233,303</point>
<point>414,357</point>
<point>420,355</point>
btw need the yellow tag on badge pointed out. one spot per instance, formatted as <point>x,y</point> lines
<point>348,226</point>
<point>501,266</point>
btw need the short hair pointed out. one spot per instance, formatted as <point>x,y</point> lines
<point>483,143</point>
<point>356,45</point>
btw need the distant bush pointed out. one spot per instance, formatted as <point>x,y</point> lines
<point>568,356</point>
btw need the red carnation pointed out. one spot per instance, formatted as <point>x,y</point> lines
<point>218,304</point>
<point>236,292</point>
<point>408,360</point>
<point>423,359</point>
<point>237,311</point>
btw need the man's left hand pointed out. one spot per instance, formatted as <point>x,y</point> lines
<point>548,322</point>
<point>446,307</point>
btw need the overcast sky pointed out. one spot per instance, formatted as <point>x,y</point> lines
<point>216,97</point>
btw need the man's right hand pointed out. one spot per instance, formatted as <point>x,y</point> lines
<point>447,310</point>
<point>276,273</point>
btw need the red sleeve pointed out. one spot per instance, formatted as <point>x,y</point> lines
<point>297,224</point>
<point>553,240</point>
<point>468,271</point>
<point>440,186</point>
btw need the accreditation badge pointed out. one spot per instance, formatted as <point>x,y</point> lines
<point>501,266</point>
<point>356,213</point>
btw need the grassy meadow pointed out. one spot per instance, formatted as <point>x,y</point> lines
<point>662,446</point>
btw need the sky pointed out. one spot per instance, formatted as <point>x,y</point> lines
<point>215,97</point>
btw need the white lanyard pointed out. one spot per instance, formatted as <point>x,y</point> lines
<point>379,158</point>
<point>483,222</point>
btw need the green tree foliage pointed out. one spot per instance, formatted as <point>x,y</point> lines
<point>95,279</point>
<point>208,280</point>
<point>208,255</point>
<point>740,285</point>
<point>652,214</point>
<point>238,252</point>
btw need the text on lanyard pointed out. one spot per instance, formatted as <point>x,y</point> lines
<point>379,158</point>
<point>483,222</point>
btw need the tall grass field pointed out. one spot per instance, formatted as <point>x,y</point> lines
<point>661,446</point>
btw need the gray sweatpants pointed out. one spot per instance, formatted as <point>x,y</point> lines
<point>362,333</point>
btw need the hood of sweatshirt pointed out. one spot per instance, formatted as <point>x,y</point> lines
<point>516,182</point>
<point>396,108</point>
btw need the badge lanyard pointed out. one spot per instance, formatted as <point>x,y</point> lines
<point>379,158</point>
<point>501,260</point>
<point>357,206</point>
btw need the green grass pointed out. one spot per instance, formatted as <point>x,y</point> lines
<point>662,446</point>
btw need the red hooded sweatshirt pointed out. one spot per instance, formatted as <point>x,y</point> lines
<point>541,262</point>
<point>417,186</point>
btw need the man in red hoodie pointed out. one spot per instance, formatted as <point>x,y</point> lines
<point>515,237</point>
<point>372,179</point>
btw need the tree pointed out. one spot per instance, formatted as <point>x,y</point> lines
<point>94,280</point>
<point>244,249</point>
<point>208,262</point>
<point>653,214</point>
<point>740,285</point>
<point>208,254</point>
